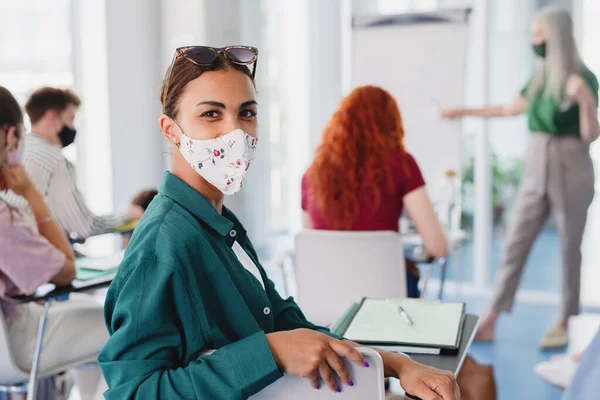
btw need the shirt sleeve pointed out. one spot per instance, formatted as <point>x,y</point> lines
<point>415,178</point>
<point>304,191</point>
<point>83,222</point>
<point>39,174</point>
<point>29,260</point>
<point>592,82</point>
<point>525,88</point>
<point>150,320</point>
<point>74,215</point>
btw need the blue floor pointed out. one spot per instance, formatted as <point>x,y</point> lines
<point>542,271</point>
<point>515,351</point>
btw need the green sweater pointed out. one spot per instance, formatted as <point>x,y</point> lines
<point>545,115</point>
<point>181,291</point>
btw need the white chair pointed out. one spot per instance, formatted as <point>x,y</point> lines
<point>14,380</point>
<point>368,384</point>
<point>336,268</point>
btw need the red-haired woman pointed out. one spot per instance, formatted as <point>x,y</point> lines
<point>362,177</point>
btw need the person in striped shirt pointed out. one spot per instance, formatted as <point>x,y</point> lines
<point>52,114</point>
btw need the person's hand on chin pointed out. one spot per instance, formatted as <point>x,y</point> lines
<point>15,178</point>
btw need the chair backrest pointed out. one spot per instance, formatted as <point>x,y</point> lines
<point>369,384</point>
<point>336,268</point>
<point>9,372</point>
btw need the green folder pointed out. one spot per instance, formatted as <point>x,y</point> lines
<point>341,324</point>
<point>88,274</point>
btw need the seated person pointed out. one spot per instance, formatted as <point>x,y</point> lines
<point>191,281</point>
<point>362,177</point>
<point>34,255</point>
<point>141,201</point>
<point>138,206</point>
<point>52,113</point>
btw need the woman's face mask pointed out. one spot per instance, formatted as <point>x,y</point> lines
<point>223,161</point>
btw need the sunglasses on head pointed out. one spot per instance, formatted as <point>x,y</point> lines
<point>205,56</point>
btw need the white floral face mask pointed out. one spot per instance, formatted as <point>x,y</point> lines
<point>222,161</point>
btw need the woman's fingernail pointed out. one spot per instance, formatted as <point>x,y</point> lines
<point>366,364</point>
<point>338,389</point>
<point>318,387</point>
<point>350,383</point>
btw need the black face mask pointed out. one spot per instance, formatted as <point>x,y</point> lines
<point>540,49</point>
<point>67,136</point>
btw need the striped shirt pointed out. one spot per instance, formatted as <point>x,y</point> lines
<point>54,176</point>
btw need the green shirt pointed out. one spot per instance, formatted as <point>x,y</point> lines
<point>180,291</point>
<point>545,115</point>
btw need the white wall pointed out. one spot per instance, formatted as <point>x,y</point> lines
<point>116,45</point>
<point>134,77</point>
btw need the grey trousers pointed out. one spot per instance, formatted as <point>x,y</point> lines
<point>558,180</point>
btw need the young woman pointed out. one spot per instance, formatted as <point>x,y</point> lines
<point>191,282</point>
<point>362,177</point>
<point>34,255</point>
<point>561,101</point>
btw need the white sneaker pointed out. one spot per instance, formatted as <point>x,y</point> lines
<point>558,371</point>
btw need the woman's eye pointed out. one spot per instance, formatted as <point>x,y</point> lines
<point>210,114</point>
<point>248,114</point>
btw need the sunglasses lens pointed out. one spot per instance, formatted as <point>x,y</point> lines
<point>202,55</point>
<point>241,54</point>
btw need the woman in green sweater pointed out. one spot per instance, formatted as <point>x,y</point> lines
<point>561,102</point>
<point>191,281</point>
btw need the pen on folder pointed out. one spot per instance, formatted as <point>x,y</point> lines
<point>405,315</point>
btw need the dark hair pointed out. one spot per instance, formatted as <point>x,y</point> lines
<point>10,111</point>
<point>144,198</point>
<point>49,98</point>
<point>183,72</point>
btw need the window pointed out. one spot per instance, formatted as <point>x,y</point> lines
<point>36,47</point>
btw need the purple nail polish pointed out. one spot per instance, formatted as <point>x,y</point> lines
<point>350,383</point>
<point>338,389</point>
<point>318,386</point>
<point>366,364</point>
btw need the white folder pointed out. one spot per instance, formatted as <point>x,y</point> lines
<point>368,384</point>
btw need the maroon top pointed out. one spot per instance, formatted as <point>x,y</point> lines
<point>387,215</point>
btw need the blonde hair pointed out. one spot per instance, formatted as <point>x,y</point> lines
<point>562,58</point>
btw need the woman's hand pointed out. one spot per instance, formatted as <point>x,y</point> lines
<point>311,354</point>
<point>422,381</point>
<point>576,87</point>
<point>452,113</point>
<point>15,178</point>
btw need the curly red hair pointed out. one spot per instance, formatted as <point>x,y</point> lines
<point>355,155</point>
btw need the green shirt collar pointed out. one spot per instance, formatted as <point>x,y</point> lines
<point>186,196</point>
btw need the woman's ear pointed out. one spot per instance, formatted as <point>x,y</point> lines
<point>168,129</point>
<point>12,139</point>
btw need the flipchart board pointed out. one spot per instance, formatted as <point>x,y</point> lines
<point>420,59</point>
